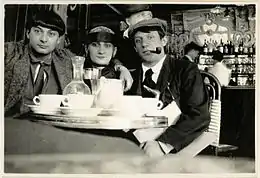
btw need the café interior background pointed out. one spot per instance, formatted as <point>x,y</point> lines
<point>185,22</point>
<point>231,23</point>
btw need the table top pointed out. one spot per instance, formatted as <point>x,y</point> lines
<point>109,122</point>
<point>32,147</point>
<point>124,163</point>
<point>29,137</point>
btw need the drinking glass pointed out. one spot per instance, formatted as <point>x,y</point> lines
<point>91,77</point>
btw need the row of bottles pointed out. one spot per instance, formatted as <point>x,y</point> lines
<point>228,48</point>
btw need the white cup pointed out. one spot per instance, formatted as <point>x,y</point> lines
<point>131,106</point>
<point>109,96</point>
<point>151,104</point>
<point>78,101</point>
<point>48,103</point>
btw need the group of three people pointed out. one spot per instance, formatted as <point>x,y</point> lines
<point>178,81</point>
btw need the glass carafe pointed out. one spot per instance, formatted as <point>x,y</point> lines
<point>77,85</point>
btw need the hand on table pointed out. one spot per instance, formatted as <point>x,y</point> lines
<point>152,149</point>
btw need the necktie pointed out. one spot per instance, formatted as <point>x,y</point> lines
<point>148,82</point>
<point>39,82</point>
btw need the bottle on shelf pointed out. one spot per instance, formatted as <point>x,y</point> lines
<point>241,47</point>
<point>236,49</point>
<point>253,46</point>
<point>221,46</point>
<point>231,48</point>
<point>250,50</point>
<point>205,47</point>
<point>245,50</point>
<point>210,46</point>
<point>226,48</point>
<point>215,44</point>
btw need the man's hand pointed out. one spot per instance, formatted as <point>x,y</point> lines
<point>126,77</point>
<point>152,149</point>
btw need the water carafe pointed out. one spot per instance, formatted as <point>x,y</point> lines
<point>77,85</point>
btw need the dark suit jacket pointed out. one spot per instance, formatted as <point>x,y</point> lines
<point>17,68</point>
<point>185,58</point>
<point>184,80</point>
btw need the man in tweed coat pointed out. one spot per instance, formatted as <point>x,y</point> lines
<point>23,60</point>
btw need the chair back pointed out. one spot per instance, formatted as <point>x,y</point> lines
<point>214,89</point>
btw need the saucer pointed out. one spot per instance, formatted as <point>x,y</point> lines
<point>86,112</point>
<point>38,110</point>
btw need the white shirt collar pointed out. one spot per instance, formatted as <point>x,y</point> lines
<point>156,69</point>
<point>190,59</point>
<point>125,34</point>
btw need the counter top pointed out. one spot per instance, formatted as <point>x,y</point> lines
<point>239,87</point>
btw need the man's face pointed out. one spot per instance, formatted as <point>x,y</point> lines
<point>43,40</point>
<point>195,54</point>
<point>146,41</point>
<point>101,52</point>
<point>139,16</point>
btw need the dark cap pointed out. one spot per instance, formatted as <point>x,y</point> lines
<point>48,19</point>
<point>101,34</point>
<point>130,9</point>
<point>191,46</point>
<point>151,24</point>
<point>217,55</point>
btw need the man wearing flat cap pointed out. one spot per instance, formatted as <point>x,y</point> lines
<point>180,84</point>
<point>37,66</point>
<point>133,13</point>
<point>192,51</point>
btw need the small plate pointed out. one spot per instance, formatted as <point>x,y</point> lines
<point>38,110</point>
<point>88,112</point>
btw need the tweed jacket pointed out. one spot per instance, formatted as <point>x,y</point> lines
<point>184,80</point>
<point>17,68</point>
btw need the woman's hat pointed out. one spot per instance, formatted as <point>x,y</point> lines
<point>101,34</point>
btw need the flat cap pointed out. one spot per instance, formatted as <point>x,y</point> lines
<point>151,24</point>
<point>130,9</point>
<point>48,19</point>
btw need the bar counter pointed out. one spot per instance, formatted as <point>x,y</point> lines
<point>238,119</point>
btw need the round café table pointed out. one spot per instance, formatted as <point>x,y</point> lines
<point>32,147</point>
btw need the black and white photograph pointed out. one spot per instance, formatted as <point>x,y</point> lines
<point>130,88</point>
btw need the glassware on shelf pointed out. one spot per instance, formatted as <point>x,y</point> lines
<point>77,85</point>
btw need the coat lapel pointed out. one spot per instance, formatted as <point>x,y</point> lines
<point>63,69</point>
<point>165,75</point>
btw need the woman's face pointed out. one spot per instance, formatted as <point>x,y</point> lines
<point>101,52</point>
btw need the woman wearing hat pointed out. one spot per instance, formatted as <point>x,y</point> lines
<point>101,48</point>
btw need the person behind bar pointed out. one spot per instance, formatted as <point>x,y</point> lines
<point>38,66</point>
<point>132,13</point>
<point>220,69</point>
<point>192,51</point>
<point>101,48</point>
<point>180,85</point>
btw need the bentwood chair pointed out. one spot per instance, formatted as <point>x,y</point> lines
<point>214,88</point>
<point>211,136</point>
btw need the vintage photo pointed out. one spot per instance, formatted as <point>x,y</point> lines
<point>129,88</point>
